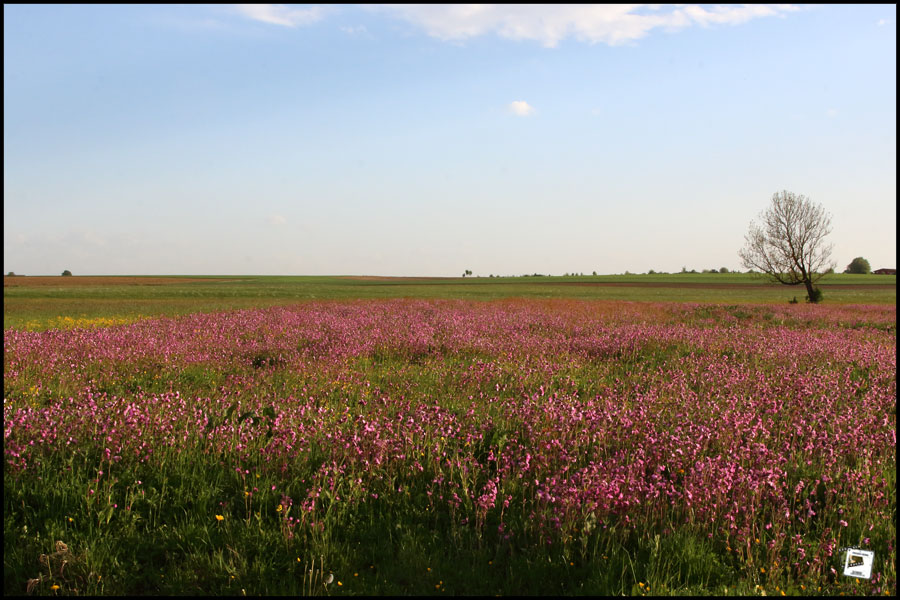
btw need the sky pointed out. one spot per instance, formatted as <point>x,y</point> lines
<point>426,140</point>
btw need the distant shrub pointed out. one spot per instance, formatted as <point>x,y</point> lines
<point>723,270</point>
<point>859,266</point>
<point>815,296</point>
<point>67,273</point>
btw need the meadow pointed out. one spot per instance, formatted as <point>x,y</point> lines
<point>45,302</point>
<point>332,436</point>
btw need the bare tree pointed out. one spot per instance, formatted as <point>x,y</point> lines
<point>788,247</point>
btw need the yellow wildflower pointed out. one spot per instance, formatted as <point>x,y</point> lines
<point>220,518</point>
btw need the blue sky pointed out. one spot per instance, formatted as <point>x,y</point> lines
<point>426,140</point>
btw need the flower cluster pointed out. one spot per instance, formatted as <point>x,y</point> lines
<point>745,425</point>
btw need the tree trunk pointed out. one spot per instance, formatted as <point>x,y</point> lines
<point>810,291</point>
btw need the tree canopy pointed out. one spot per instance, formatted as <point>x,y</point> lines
<point>859,265</point>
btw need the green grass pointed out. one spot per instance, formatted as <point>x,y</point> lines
<point>37,307</point>
<point>169,541</point>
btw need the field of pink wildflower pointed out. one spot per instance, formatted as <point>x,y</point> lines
<point>412,446</point>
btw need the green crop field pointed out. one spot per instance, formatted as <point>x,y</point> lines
<point>43,302</point>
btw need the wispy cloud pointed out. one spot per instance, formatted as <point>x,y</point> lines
<point>280,14</point>
<point>610,24</point>
<point>831,112</point>
<point>354,29</point>
<point>520,108</point>
<point>277,220</point>
<point>882,22</point>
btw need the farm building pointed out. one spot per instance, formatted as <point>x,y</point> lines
<point>885,272</point>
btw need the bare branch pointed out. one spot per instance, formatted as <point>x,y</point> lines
<point>789,245</point>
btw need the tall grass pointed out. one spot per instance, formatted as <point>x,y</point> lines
<point>431,447</point>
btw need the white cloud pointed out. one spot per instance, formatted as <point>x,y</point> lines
<point>354,29</point>
<point>521,108</point>
<point>280,14</point>
<point>831,112</point>
<point>733,14</point>
<point>882,22</point>
<point>549,24</point>
<point>277,220</point>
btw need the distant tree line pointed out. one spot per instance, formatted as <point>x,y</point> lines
<point>858,265</point>
<point>684,270</point>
